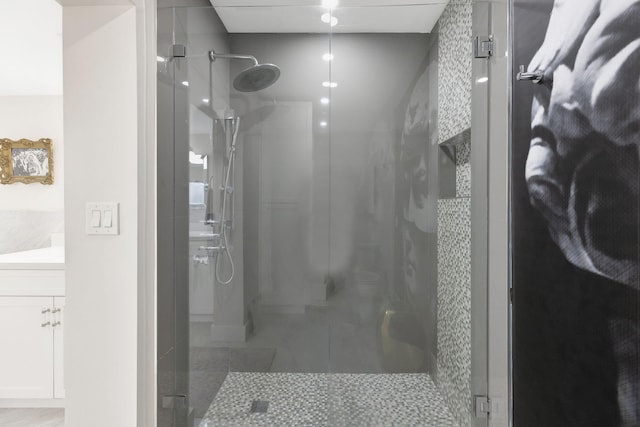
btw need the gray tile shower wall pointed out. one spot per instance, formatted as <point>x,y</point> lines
<point>454,306</point>
<point>25,230</point>
<point>454,214</point>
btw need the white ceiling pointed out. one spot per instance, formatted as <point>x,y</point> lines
<point>31,46</point>
<point>354,16</point>
<point>31,30</point>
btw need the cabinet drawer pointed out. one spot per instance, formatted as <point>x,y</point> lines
<point>31,282</point>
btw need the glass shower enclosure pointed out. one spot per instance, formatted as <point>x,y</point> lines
<point>315,215</point>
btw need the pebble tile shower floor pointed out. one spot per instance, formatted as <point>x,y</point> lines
<point>315,400</point>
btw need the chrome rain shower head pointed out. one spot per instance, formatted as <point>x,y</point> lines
<point>255,78</point>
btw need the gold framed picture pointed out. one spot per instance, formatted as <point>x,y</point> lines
<point>26,161</point>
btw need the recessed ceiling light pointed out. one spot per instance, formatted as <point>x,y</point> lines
<point>483,80</point>
<point>159,59</point>
<point>328,56</point>
<point>205,100</point>
<point>330,84</point>
<point>185,83</point>
<point>323,124</point>
<point>324,101</point>
<point>328,19</point>
<point>329,4</point>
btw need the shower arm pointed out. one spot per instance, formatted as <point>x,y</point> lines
<point>213,56</point>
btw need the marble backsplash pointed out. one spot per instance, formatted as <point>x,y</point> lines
<point>25,230</point>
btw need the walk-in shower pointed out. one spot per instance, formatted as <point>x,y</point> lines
<point>319,227</point>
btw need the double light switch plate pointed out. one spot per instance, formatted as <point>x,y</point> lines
<point>102,218</point>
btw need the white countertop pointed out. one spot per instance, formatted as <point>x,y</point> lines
<point>37,259</point>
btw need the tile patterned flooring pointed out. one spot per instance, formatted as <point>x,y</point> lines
<point>41,417</point>
<point>316,400</point>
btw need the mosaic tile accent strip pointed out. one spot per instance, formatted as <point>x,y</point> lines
<point>454,70</point>
<point>312,400</point>
<point>454,306</point>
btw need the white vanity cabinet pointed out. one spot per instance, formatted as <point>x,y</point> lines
<point>31,337</point>
<point>31,329</point>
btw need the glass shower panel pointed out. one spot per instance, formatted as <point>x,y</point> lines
<point>384,189</point>
<point>205,148</point>
<point>258,201</point>
<point>400,226</point>
<point>172,343</point>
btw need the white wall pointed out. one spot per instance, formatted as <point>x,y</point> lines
<point>31,35</point>
<point>30,213</point>
<point>101,136</point>
<point>34,117</point>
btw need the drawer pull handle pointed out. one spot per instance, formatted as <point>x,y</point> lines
<point>45,324</point>
<point>45,310</point>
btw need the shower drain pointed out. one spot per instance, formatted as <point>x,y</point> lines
<point>259,406</point>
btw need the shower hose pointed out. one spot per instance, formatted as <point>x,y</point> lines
<point>224,230</point>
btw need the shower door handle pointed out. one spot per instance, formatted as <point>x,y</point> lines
<point>534,77</point>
